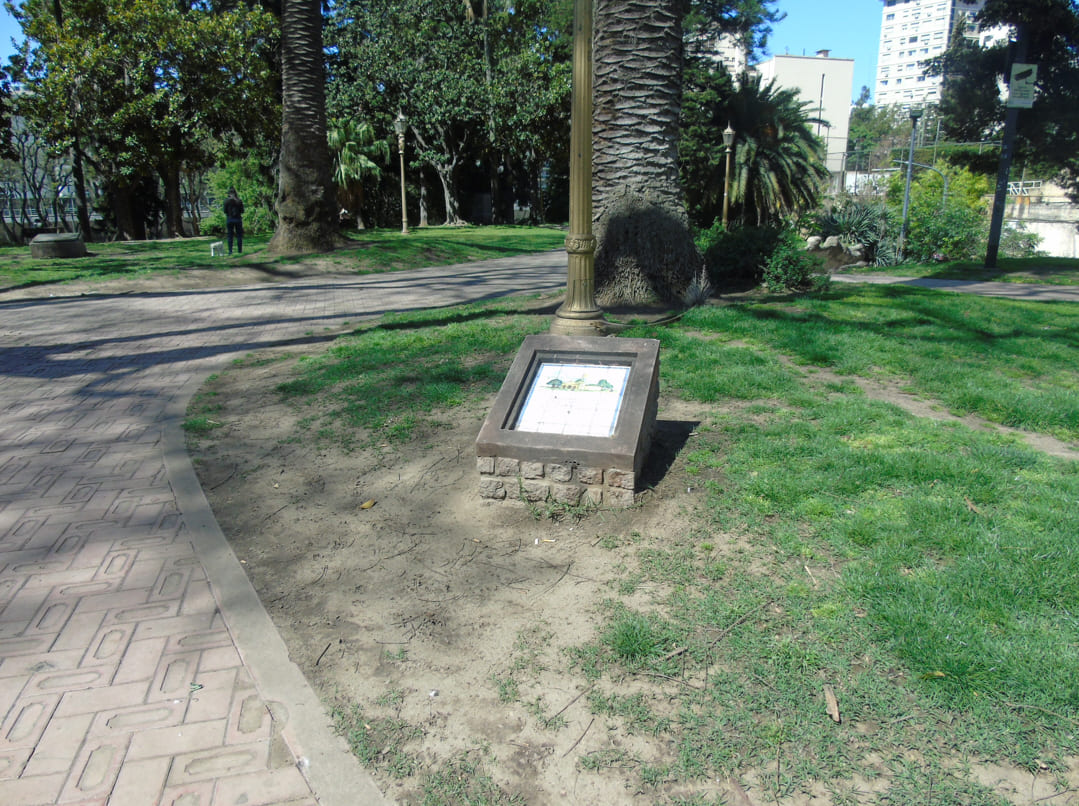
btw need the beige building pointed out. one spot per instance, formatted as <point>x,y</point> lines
<point>825,85</point>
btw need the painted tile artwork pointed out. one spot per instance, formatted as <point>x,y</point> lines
<point>574,399</point>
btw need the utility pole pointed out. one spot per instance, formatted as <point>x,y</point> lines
<point>1011,120</point>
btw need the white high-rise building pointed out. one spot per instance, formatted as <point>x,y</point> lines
<point>912,31</point>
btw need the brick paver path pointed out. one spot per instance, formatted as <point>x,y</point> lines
<point>136,664</point>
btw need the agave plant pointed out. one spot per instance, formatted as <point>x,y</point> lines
<point>856,222</point>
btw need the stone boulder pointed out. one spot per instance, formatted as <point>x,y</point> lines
<point>834,254</point>
<point>53,245</point>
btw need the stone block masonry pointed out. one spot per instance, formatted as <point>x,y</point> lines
<point>568,483</point>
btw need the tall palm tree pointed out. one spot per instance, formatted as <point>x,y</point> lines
<point>645,248</point>
<point>355,149</point>
<point>779,163</point>
<point>306,209</point>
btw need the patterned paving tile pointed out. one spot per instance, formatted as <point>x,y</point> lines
<point>121,679</point>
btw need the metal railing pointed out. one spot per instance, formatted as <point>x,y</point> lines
<point>1024,188</point>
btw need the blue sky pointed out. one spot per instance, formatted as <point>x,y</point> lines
<point>850,29</point>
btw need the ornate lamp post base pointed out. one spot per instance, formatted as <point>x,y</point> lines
<point>579,315</point>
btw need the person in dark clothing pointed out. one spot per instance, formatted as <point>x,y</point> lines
<point>234,220</point>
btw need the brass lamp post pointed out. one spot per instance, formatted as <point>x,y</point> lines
<point>728,141</point>
<point>579,315</point>
<point>400,125</point>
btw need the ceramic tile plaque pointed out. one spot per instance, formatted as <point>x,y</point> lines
<point>579,400</point>
<point>574,399</point>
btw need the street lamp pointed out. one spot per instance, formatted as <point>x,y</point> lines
<point>400,125</point>
<point>915,113</point>
<point>579,315</point>
<point>728,141</point>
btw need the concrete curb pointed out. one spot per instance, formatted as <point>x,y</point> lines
<point>333,772</point>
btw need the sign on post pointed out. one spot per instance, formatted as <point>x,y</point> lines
<point>1021,85</point>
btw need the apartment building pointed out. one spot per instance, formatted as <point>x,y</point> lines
<point>913,31</point>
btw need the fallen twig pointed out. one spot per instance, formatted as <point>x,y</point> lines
<point>675,679</point>
<point>739,621</point>
<point>572,746</point>
<point>1020,707</point>
<point>568,704</point>
<point>1055,795</point>
<point>673,653</point>
<point>323,653</point>
<point>286,506</point>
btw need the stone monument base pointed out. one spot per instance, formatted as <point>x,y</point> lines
<point>572,423</point>
<point>57,245</point>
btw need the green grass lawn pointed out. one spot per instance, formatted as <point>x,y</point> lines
<point>367,251</point>
<point>943,610</point>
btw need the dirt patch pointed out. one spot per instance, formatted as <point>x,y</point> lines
<point>447,617</point>
<point>236,270</point>
<point>431,600</point>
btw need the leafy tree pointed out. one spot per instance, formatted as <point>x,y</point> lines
<point>6,150</point>
<point>34,183</point>
<point>144,89</point>
<point>307,214</point>
<point>875,131</point>
<point>749,21</point>
<point>528,93</point>
<point>255,187</point>
<point>422,58</point>
<point>485,82</point>
<point>970,104</point>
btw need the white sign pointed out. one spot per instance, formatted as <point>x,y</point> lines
<point>1021,86</point>
<point>574,399</point>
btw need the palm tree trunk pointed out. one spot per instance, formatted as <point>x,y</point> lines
<point>307,214</point>
<point>645,250</point>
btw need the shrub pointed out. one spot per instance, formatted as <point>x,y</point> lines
<point>954,232</point>
<point>1016,241</point>
<point>734,257</point>
<point>951,226</point>
<point>790,267</point>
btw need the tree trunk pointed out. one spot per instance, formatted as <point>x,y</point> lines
<point>645,251</point>
<point>130,224</point>
<point>174,210</point>
<point>81,206</point>
<point>423,199</point>
<point>307,214</point>
<point>453,213</point>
